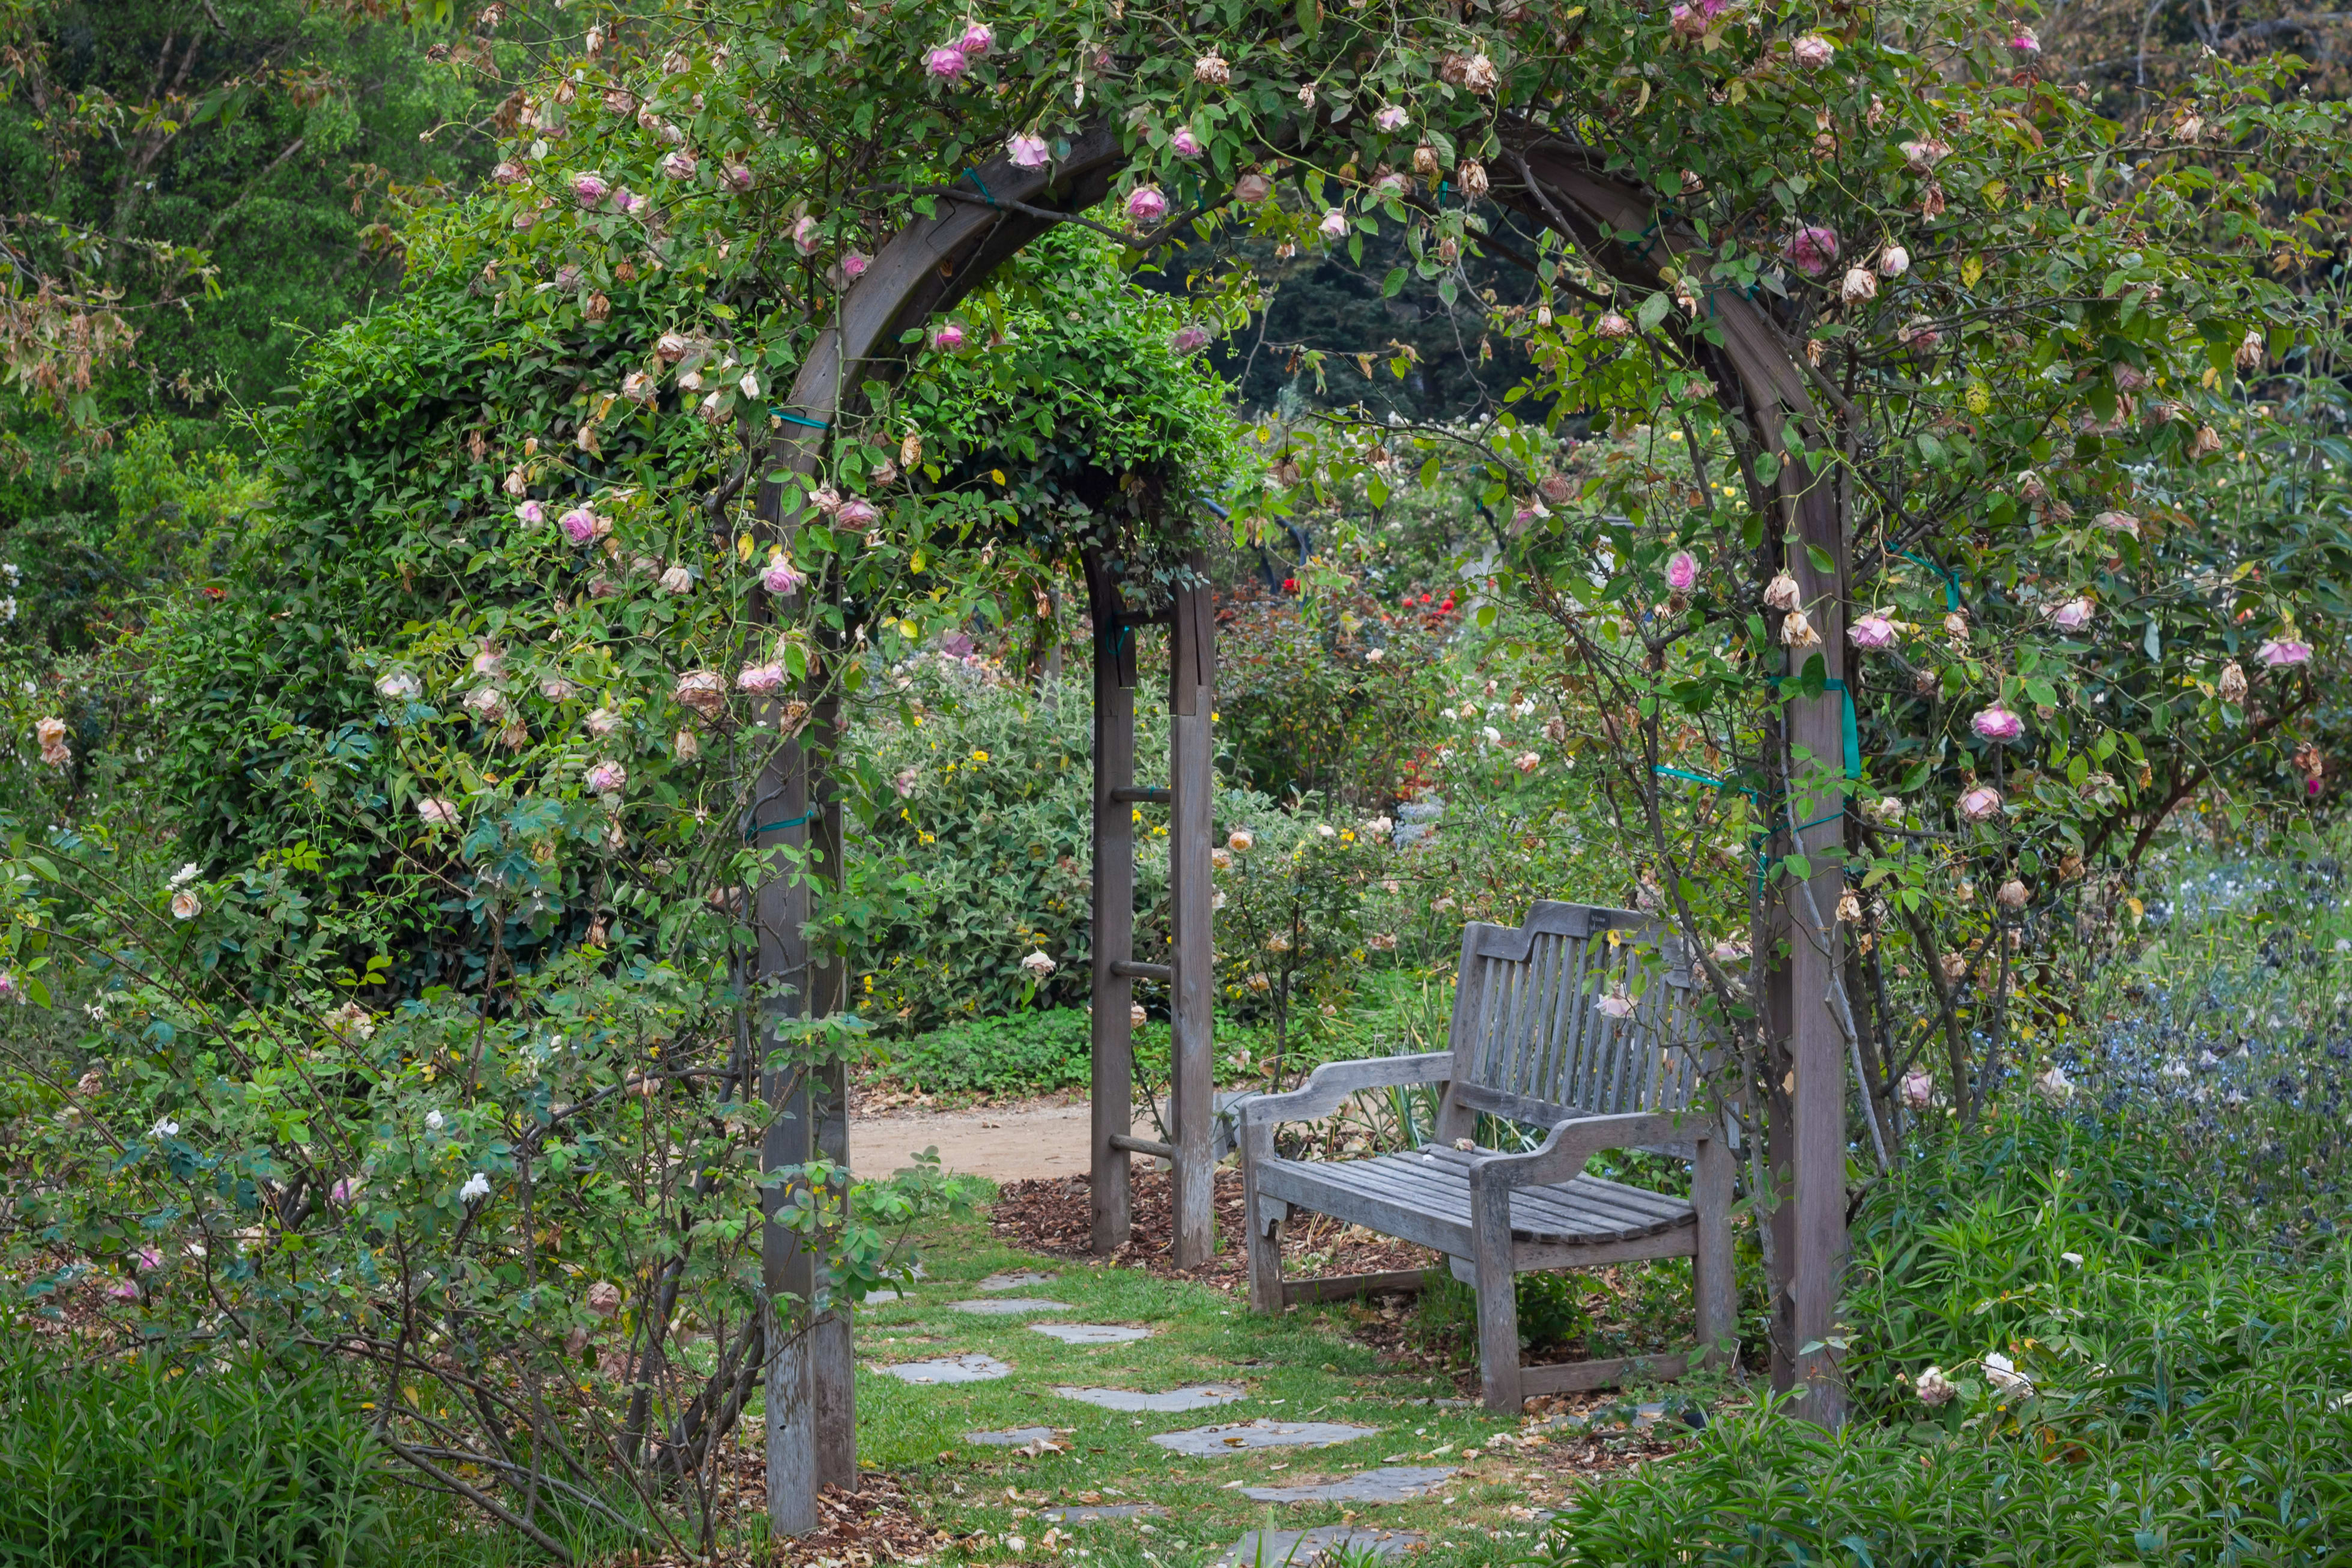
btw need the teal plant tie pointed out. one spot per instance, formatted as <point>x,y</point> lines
<point>771,827</point>
<point>790,418</point>
<point>973,176</point>
<point>1952,579</point>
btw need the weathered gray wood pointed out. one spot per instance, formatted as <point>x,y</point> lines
<point>1576,1377</point>
<point>1528,1042</point>
<point>1498,1301</point>
<point>1112,925</point>
<point>1340,1287</point>
<point>1568,186</point>
<point>1192,986</point>
<point>1713,1282</point>
<point>1128,1143</point>
<point>1262,1219</point>
<point>1128,969</point>
<point>1329,1086</point>
<point>1140,797</point>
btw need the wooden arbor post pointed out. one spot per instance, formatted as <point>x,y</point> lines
<point>1761,379</point>
<point>1191,974</point>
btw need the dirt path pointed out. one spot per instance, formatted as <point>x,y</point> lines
<point>1004,1143</point>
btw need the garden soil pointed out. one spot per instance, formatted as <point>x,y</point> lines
<point>1005,1142</point>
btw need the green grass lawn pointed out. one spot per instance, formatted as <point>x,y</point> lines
<point>1302,1366</point>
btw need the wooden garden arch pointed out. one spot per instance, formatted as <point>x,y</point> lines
<point>927,266</point>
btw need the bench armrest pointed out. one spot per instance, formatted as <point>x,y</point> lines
<point>1328,1088</point>
<point>1561,1156</point>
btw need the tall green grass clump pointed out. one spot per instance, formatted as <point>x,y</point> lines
<point>166,1462</point>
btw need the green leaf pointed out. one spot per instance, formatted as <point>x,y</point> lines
<point>1822,561</point>
<point>1653,312</point>
<point>1392,283</point>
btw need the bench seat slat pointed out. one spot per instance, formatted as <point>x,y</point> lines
<point>1435,1191</point>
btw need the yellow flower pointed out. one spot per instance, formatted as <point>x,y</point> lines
<point>979,757</point>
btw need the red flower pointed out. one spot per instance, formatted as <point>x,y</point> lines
<point>1289,585</point>
<point>1446,608</point>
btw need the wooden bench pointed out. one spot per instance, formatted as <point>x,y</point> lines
<point>1531,1043</point>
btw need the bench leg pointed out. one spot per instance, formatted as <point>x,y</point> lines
<point>1711,1269</point>
<point>1266,1217</point>
<point>1498,1302</point>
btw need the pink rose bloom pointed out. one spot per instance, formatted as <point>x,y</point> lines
<point>1145,204</point>
<point>948,338</point>
<point>2072,615</point>
<point>977,39</point>
<point>857,513</point>
<point>1812,51</point>
<point>123,1290</point>
<point>579,524</point>
<point>588,188</point>
<point>2117,523</point>
<point>149,1259</point>
<point>854,265</point>
<point>437,813</point>
<point>1685,22</point>
<point>1188,338</point>
<point>1872,633</point>
<point>678,165</point>
<point>2023,41</point>
<point>737,175</point>
<point>1252,188</point>
<point>1981,802</point>
<point>947,64</point>
<point>1334,224</point>
<point>2311,786</point>
<point>625,202</point>
<point>781,577</point>
<point>1183,143</point>
<point>608,777</point>
<point>532,512</point>
<point>1028,152</point>
<point>344,1190</point>
<point>1812,249</point>
<point>1391,119</point>
<point>760,679</point>
<point>1681,571</point>
<point>2278,654</point>
<point>1997,723</point>
<point>805,236</point>
<point>509,173</point>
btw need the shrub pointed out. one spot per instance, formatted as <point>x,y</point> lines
<point>164,1462</point>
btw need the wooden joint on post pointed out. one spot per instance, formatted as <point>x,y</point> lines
<point>1128,969</point>
<point>1140,797</point>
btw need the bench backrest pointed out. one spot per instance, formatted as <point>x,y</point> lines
<point>1530,1038</point>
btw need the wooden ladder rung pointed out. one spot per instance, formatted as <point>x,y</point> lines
<point>1135,1145</point>
<point>1128,969</point>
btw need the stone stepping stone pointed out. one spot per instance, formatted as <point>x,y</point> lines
<point>1296,1548</point>
<point>1008,1306</point>
<point>1088,1513</point>
<point>951,1369</point>
<point>1021,1281</point>
<point>1090,1334</point>
<point>1192,1396</point>
<point>1013,1437</point>
<point>1203,1442</point>
<point>1390,1483</point>
<point>877,1297</point>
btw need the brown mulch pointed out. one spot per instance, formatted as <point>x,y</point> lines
<point>875,1524</point>
<point>1055,1214</point>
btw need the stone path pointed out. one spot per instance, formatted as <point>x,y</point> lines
<point>1390,1483</point>
<point>1008,1306</point>
<point>1091,1512</point>
<point>1203,1442</point>
<point>974,1368</point>
<point>1195,1397</point>
<point>1090,1334</point>
<point>1021,1282</point>
<point>1004,1143</point>
<point>1296,1548</point>
<point>1012,1438</point>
